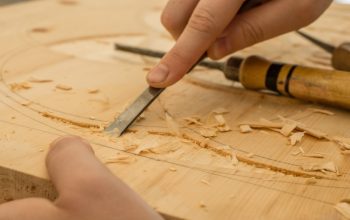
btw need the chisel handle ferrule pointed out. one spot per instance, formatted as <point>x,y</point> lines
<point>306,83</point>
<point>341,57</point>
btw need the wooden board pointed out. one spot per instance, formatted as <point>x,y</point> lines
<point>72,44</point>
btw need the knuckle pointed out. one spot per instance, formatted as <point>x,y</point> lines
<point>251,33</point>
<point>167,20</point>
<point>203,21</point>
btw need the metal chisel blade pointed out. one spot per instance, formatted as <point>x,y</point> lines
<point>119,126</point>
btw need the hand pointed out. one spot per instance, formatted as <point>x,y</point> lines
<point>86,188</point>
<point>215,26</point>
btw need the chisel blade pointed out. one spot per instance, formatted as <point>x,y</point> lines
<point>119,126</point>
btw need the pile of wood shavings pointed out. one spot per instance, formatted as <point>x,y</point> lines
<point>209,130</point>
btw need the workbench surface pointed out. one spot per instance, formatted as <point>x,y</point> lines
<point>60,75</point>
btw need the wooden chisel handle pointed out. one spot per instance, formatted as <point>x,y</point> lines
<point>306,83</point>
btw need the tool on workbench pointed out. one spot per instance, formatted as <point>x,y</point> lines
<point>150,94</point>
<point>257,73</point>
<point>340,55</point>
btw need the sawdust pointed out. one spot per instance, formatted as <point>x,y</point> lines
<point>20,86</point>
<point>94,127</point>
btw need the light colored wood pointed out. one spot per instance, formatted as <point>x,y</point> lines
<point>72,45</point>
<point>306,83</point>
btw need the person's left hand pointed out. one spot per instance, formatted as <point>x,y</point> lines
<point>87,190</point>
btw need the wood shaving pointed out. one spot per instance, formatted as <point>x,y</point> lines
<point>301,150</point>
<point>220,119</point>
<point>312,132</point>
<point>329,166</point>
<point>68,2</point>
<point>27,103</point>
<point>288,127</point>
<point>250,155</point>
<point>296,153</point>
<point>20,86</point>
<point>220,111</point>
<point>343,208</point>
<point>224,128</point>
<point>172,125</point>
<point>311,181</point>
<point>202,204</point>
<point>264,123</point>
<point>165,148</point>
<point>122,159</point>
<point>72,122</point>
<point>346,152</point>
<point>322,111</point>
<point>93,91</point>
<point>245,129</point>
<point>64,87</point>
<point>316,155</point>
<point>172,169</point>
<point>193,120</point>
<point>205,182</point>
<point>35,79</point>
<point>208,132</point>
<point>40,30</point>
<point>296,138</point>
<point>129,148</point>
<point>234,159</point>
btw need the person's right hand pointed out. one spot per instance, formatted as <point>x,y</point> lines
<point>215,26</point>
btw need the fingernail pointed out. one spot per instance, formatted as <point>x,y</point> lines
<point>158,74</point>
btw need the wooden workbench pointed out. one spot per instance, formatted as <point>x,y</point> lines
<point>72,45</point>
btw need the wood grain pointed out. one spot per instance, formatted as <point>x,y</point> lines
<point>72,45</point>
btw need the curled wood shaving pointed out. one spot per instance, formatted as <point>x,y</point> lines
<point>129,148</point>
<point>329,166</point>
<point>35,79</point>
<point>172,125</point>
<point>343,208</point>
<point>63,87</point>
<point>301,150</point>
<point>264,123</point>
<point>121,159</point>
<point>312,132</point>
<point>220,111</point>
<point>322,111</point>
<point>27,103</point>
<point>245,129</point>
<point>296,138</point>
<point>220,119</point>
<point>20,86</point>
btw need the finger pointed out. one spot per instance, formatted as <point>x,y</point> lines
<point>176,14</point>
<point>81,180</point>
<point>71,163</point>
<point>208,20</point>
<point>266,21</point>
<point>26,209</point>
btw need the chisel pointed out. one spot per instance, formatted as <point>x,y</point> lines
<point>257,73</point>
<point>150,94</point>
<point>340,55</point>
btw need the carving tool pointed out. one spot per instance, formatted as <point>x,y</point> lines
<point>340,55</point>
<point>257,73</point>
<point>150,94</point>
